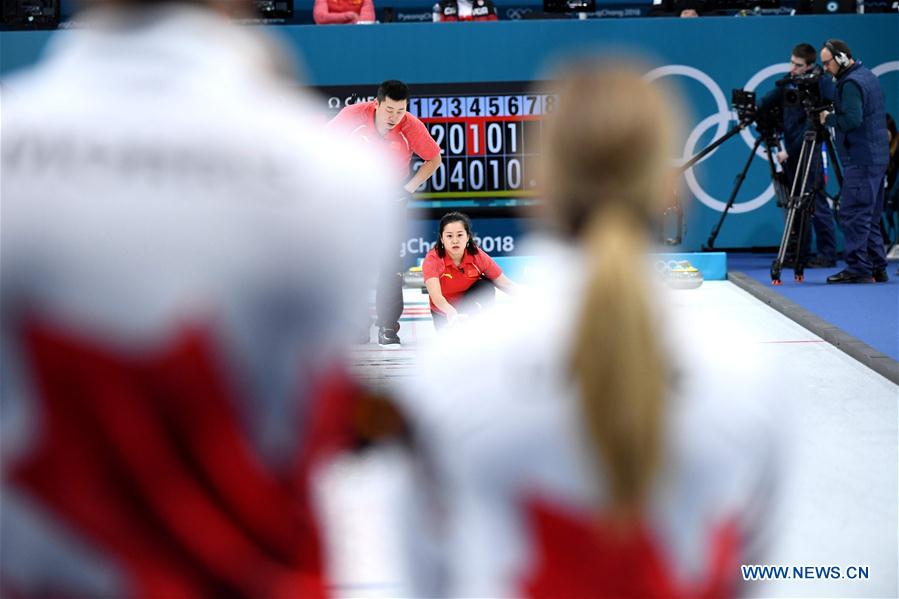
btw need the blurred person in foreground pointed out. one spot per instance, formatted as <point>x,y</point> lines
<point>460,277</point>
<point>582,443</point>
<point>178,257</point>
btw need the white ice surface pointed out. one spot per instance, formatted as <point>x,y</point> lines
<point>841,493</point>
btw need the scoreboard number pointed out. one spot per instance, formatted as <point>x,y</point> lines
<point>490,137</point>
<point>490,143</point>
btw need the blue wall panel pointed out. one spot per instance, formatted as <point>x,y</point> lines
<point>712,55</point>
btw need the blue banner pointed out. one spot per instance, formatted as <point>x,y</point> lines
<point>703,58</point>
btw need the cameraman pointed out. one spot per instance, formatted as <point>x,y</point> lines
<point>795,124</point>
<point>863,147</point>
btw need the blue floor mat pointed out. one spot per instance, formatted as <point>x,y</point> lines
<point>870,313</point>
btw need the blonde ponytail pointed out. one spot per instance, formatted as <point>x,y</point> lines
<point>617,361</point>
<point>606,172</point>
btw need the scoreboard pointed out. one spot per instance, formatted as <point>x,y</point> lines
<point>489,136</point>
<point>490,143</point>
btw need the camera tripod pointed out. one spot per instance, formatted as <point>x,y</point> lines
<point>769,138</point>
<point>766,124</point>
<point>801,203</point>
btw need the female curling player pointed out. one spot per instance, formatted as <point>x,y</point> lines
<point>459,276</point>
<point>580,445</point>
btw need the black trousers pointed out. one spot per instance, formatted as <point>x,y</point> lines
<point>479,296</point>
<point>389,288</point>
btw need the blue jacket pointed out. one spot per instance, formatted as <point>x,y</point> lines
<point>866,144</point>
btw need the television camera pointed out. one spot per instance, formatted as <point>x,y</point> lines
<point>804,90</point>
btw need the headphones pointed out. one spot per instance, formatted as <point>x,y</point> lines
<point>840,57</point>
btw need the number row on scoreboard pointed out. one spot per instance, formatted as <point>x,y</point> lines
<point>490,138</point>
<point>459,175</point>
<point>482,106</point>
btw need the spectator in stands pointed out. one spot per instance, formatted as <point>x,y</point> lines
<point>180,254</point>
<point>570,443</point>
<point>448,11</point>
<point>338,12</point>
<point>459,276</point>
<point>674,8</point>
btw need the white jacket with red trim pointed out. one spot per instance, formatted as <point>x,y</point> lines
<point>181,256</point>
<point>515,493</point>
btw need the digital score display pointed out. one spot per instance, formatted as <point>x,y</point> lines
<point>489,134</point>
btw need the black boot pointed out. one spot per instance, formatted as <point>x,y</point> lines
<point>844,276</point>
<point>387,337</point>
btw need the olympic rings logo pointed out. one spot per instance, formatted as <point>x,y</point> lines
<point>722,120</point>
<point>665,266</point>
<point>516,14</point>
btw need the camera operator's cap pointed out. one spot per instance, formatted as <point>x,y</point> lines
<point>840,51</point>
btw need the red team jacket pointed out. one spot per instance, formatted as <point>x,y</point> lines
<point>408,137</point>
<point>327,12</point>
<point>456,280</point>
